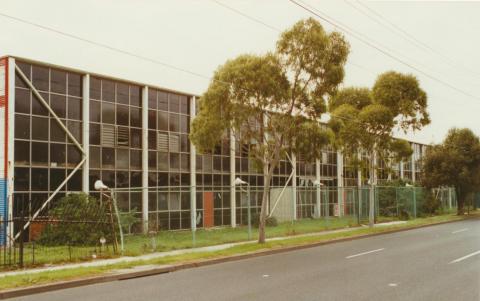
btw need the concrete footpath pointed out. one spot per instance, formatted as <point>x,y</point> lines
<point>124,259</point>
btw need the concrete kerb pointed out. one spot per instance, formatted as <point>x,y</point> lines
<point>162,269</point>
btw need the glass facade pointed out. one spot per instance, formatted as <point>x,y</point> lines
<point>44,155</point>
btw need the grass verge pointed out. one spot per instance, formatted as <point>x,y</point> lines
<point>26,280</point>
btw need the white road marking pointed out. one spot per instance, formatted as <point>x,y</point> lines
<point>464,257</point>
<point>392,284</point>
<point>461,230</point>
<point>265,276</point>
<point>364,253</point>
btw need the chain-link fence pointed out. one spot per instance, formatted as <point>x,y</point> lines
<point>82,228</point>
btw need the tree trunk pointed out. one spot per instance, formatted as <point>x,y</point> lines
<point>263,210</point>
<point>460,202</point>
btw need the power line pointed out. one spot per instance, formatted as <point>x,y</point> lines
<point>404,34</point>
<point>333,23</point>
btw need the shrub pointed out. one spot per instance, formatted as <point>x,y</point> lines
<point>78,219</point>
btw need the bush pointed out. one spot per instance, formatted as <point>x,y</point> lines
<point>78,219</point>
<point>431,204</point>
<point>270,222</point>
<point>404,215</point>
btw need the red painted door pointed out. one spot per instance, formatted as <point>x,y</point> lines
<point>208,209</point>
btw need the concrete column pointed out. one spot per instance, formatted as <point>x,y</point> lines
<point>145,159</point>
<point>193,170</point>
<point>340,198</point>
<point>86,132</point>
<point>294,186</point>
<point>413,166</point>
<point>402,174</point>
<point>10,89</point>
<point>233,204</point>
<point>318,187</point>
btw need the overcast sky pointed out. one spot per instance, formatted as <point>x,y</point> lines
<point>439,38</point>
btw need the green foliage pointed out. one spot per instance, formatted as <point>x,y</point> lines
<point>273,103</point>
<point>455,162</point>
<point>365,120</point>
<point>78,219</point>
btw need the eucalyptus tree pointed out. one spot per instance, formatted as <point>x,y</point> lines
<point>273,102</point>
<point>455,162</point>
<point>364,120</point>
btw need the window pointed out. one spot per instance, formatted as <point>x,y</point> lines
<point>163,101</point>
<point>152,119</point>
<point>95,111</point>
<point>174,122</point>
<point>22,152</point>
<point>38,108</point>
<point>123,161</point>
<point>40,179</point>
<point>174,103</point>
<point>95,88</point>
<point>136,138</point>
<point>108,157</point>
<point>21,179</point>
<point>183,104</point>
<point>58,83</point>
<point>22,101</point>
<point>162,121</point>
<point>122,93</point>
<point>108,113</point>
<point>22,127</point>
<point>39,128</point>
<point>95,134</point>
<point>57,155</point>
<point>136,159</point>
<point>108,91</point>
<point>94,157</point>
<point>152,99</point>
<point>58,103</point>
<point>183,124</point>
<point>73,155</point>
<point>135,98</point>
<point>57,176</point>
<point>74,108</point>
<point>74,84</point>
<point>40,78</point>
<point>135,117</point>
<point>39,154</point>
<point>163,161</point>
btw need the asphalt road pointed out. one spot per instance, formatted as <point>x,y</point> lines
<point>434,263</point>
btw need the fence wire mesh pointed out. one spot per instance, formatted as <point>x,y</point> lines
<point>77,229</point>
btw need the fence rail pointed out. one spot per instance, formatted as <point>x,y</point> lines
<point>90,228</point>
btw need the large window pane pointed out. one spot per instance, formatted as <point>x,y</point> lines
<point>57,176</point>
<point>39,128</point>
<point>135,98</point>
<point>122,93</point>
<point>74,155</point>
<point>39,153</point>
<point>56,132</point>
<point>95,88</point>
<point>40,78</point>
<point>22,179</point>
<point>183,124</point>
<point>108,157</point>
<point>38,108</point>
<point>174,122</point>
<point>163,101</point>
<point>174,103</point>
<point>108,113</point>
<point>152,119</point>
<point>58,103</point>
<point>94,134</point>
<point>108,90</point>
<point>152,99</point>
<point>22,153</point>
<point>74,84</point>
<point>122,115</point>
<point>136,138</point>
<point>22,101</point>
<point>123,160</point>
<point>162,121</point>
<point>40,179</point>
<point>184,104</point>
<point>163,161</point>
<point>58,81</point>
<point>94,157</point>
<point>74,108</point>
<point>95,111</point>
<point>22,127</point>
<point>135,117</point>
<point>57,155</point>
<point>136,159</point>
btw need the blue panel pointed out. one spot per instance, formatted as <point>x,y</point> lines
<point>3,211</point>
